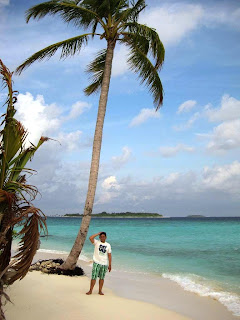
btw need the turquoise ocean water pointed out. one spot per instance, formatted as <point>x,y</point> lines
<point>202,255</point>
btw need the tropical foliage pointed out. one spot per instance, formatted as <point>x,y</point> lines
<point>15,194</point>
<point>115,21</point>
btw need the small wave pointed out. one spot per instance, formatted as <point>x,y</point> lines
<point>52,251</point>
<point>190,283</point>
<point>82,256</point>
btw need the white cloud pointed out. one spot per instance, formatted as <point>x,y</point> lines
<point>42,119</point>
<point>225,136</point>
<point>225,177</point>
<point>120,61</point>
<point>77,109</point>
<point>4,2</point>
<point>70,141</point>
<point>110,190</point>
<point>143,116</point>
<point>189,123</point>
<point>223,16</point>
<point>186,106</point>
<point>173,151</point>
<point>228,110</point>
<point>110,183</point>
<point>119,161</point>
<point>37,117</point>
<point>213,191</point>
<point>173,22</point>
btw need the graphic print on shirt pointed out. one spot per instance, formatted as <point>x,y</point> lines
<point>102,249</point>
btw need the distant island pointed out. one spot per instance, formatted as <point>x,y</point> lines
<point>104,214</point>
<point>196,216</point>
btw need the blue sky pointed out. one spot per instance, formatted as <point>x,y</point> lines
<point>182,160</point>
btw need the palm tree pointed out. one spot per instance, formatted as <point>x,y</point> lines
<point>117,22</point>
<point>16,195</point>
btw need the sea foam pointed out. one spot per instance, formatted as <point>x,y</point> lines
<point>192,283</point>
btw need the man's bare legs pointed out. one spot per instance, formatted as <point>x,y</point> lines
<point>92,284</point>
<point>101,282</point>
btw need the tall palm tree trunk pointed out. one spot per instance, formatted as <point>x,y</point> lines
<point>71,260</point>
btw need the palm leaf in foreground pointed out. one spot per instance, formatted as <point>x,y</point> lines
<point>15,194</point>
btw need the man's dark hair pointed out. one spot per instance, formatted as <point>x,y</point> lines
<point>103,233</point>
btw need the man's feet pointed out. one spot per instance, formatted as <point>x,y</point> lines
<point>89,292</point>
<point>101,293</point>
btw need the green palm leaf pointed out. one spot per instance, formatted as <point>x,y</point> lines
<point>148,74</point>
<point>96,67</point>
<point>131,14</point>
<point>69,11</point>
<point>69,47</point>
<point>156,46</point>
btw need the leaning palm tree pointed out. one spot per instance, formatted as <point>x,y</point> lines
<point>16,195</point>
<point>116,22</point>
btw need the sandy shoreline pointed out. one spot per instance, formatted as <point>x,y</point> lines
<point>162,298</point>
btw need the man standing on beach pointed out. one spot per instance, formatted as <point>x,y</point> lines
<point>102,260</point>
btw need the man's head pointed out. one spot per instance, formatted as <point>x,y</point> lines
<point>103,236</point>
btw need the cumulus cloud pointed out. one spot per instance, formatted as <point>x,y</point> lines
<point>189,123</point>
<point>119,161</point>
<point>70,141</point>
<point>168,152</point>
<point>110,183</point>
<point>110,190</point>
<point>225,136</point>
<point>77,109</point>
<point>226,178</point>
<point>229,109</point>
<point>186,106</point>
<point>143,116</point>
<point>38,117</point>
<point>173,22</point>
<point>212,191</point>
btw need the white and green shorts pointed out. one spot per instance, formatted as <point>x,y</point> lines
<point>98,270</point>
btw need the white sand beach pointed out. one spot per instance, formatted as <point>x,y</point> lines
<point>51,297</point>
<point>42,296</point>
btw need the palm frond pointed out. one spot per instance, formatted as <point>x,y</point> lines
<point>69,11</point>
<point>156,45</point>
<point>28,244</point>
<point>131,14</point>
<point>105,8</point>
<point>69,47</point>
<point>148,74</point>
<point>18,164</point>
<point>96,67</point>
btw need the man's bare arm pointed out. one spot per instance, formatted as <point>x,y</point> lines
<point>91,238</point>
<point>109,262</point>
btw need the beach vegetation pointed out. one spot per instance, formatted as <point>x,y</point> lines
<point>115,21</point>
<point>16,195</point>
<point>118,215</point>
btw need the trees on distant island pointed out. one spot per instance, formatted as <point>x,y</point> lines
<point>121,214</point>
<point>116,20</point>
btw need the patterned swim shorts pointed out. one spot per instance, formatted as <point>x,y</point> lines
<point>98,270</point>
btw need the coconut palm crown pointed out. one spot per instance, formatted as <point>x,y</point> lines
<point>118,21</point>
<point>115,21</point>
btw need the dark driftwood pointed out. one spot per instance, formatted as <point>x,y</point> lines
<point>51,266</point>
